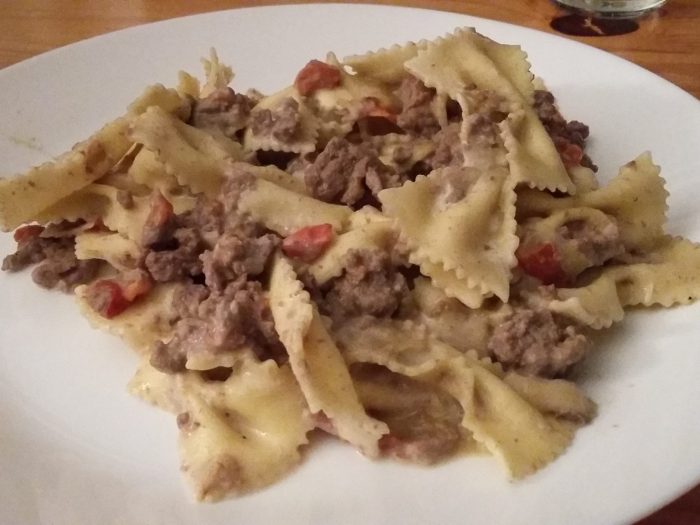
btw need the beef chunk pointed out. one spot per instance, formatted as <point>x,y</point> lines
<point>553,121</point>
<point>59,266</point>
<point>596,243</point>
<point>237,181</point>
<point>213,239</point>
<point>227,321</point>
<point>344,171</point>
<point>536,342</point>
<point>65,272</point>
<point>370,285</point>
<point>423,421</point>
<point>235,255</point>
<point>448,148</point>
<point>416,112</point>
<point>561,131</point>
<point>206,218</point>
<point>223,111</point>
<point>179,263</point>
<point>283,122</point>
<point>483,133</point>
<point>31,251</point>
<point>187,299</point>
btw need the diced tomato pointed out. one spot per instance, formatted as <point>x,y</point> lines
<point>136,284</point>
<point>161,210</point>
<point>316,75</point>
<point>372,108</point>
<point>106,298</point>
<point>308,244</point>
<point>25,233</point>
<point>542,261</point>
<point>571,154</point>
<point>110,297</point>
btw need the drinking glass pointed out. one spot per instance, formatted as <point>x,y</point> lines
<point>612,8</point>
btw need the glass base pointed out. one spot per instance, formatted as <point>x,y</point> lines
<point>611,8</point>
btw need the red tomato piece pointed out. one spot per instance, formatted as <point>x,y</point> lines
<point>137,284</point>
<point>542,261</point>
<point>316,75</point>
<point>161,210</point>
<point>308,244</point>
<point>372,108</point>
<point>571,154</point>
<point>25,233</point>
<point>106,298</point>
<point>110,297</point>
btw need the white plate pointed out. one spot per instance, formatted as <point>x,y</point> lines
<point>75,448</point>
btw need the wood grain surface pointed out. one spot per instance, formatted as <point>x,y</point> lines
<point>667,43</point>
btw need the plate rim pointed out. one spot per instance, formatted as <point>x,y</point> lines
<point>36,60</point>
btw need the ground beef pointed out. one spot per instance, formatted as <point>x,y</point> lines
<point>553,121</point>
<point>370,285</point>
<point>378,176</point>
<point>448,148</point>
<point>561,131</point>
<point>236,317</point>
<point>179,263</point>
<point>59,266</point>
<point>597,244</point>
<point>344,171</point>
<point>483,132</point>
<point>416,115</point>
<point>223,110</point>
<point>211,241</point>
<point>32,251</point>
<point>65,272</point>
<point>171,357</point>
<point>483,143</point>
<point>235,255</point>
<point>187,299</point>
<point>237,181</point>
<point>333,177</point>
<point>224,252</point>
<point>424,441</point>
<point>283,122</point>
<point>206,218</point>
<point>536,342</point>
<point>182,254</point>
<point>406,165</point>
<point>424,422</point>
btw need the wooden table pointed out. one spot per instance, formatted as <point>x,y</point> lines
<point>667,43</point>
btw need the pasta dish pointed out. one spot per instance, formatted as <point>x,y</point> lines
<point>406,249</point>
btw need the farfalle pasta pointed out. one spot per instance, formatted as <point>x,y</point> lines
<point>406,249</point>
